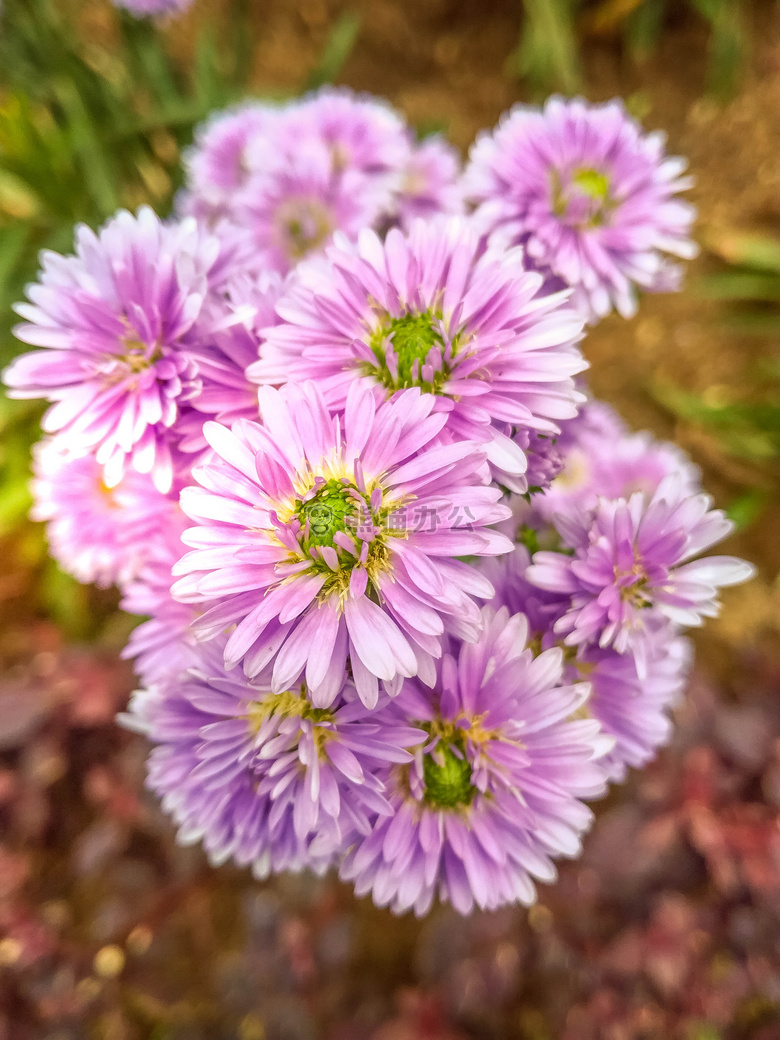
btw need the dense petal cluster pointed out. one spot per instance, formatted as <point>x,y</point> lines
<point>429,310</point>
<point>495,793</point>
<point>312,424</point>
<point>591,198</point>
<point>634,561</point>
<point>329,538</point>
<point>114,323</point>
<point>262,777</point>
<point>290,177</point>
<point>97,533</point>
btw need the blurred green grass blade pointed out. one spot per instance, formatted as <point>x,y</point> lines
<point>642,28</point>
<point>746,509</point>
<point>338,48</point>
<point>547,54</point>
<point>90,146</point>
<point>741,285</point>
<point>209,84</point>
<point>147,53</point>
<point>761,252</point>
<point>728,44</point>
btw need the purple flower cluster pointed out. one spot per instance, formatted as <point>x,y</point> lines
<point>412,598</point>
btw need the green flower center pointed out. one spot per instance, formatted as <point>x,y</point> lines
<point>291,704</point>
<point>305,225</point>
<point>330,510</point>
<point>583,199</point>
<point>447,781</point>
<point>592,183</point>
<point>288,704</point>
<point>412,338</point>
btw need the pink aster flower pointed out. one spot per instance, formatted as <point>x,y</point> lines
<point>217,165</point>
<point>97,533</point>
<point>293,207</point>
<point>360,133</point>
<point>327,538</point>
<point>592,199</point>
<point>496,792</point>
<point>428,310</point>
<point>430,184</point>
<point>265,778</point>
<point>114,322</point>
<point>634,561</point>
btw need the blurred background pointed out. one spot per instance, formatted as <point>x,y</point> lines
<point>668,928</point>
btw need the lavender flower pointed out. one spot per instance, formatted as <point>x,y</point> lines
<point>326,538</point>
<point>96,533</point>
<point>495,793</point>
<point>591,198</point>
<point>427,310</point>
<point>143,8</point>
<point>265,778</point>
<point>115,322</point>
<point>633,561</point>
<point>634,709</point>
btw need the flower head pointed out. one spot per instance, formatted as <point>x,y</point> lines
<point>266,778</point>
<point>326,538</point>
<point>96,533</point>
<point>495,793</point>
<point>592,199</point>
<point>427,310</point>
<point>633,562</point>
<point>114,322</point>
<point>217,165</point>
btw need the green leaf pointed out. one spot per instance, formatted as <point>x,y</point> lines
<point>740,285</point>
<point>342,39</point>
<point>547,54</point>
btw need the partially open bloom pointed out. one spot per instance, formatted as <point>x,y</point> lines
<point>265,778</point>
<point>591,198</point>
<point>96,533</point>
<point>634,561</point>
<point>326,538</point>
<point>494,795</point>
<point>427,310</point>
<point>114,322</point>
